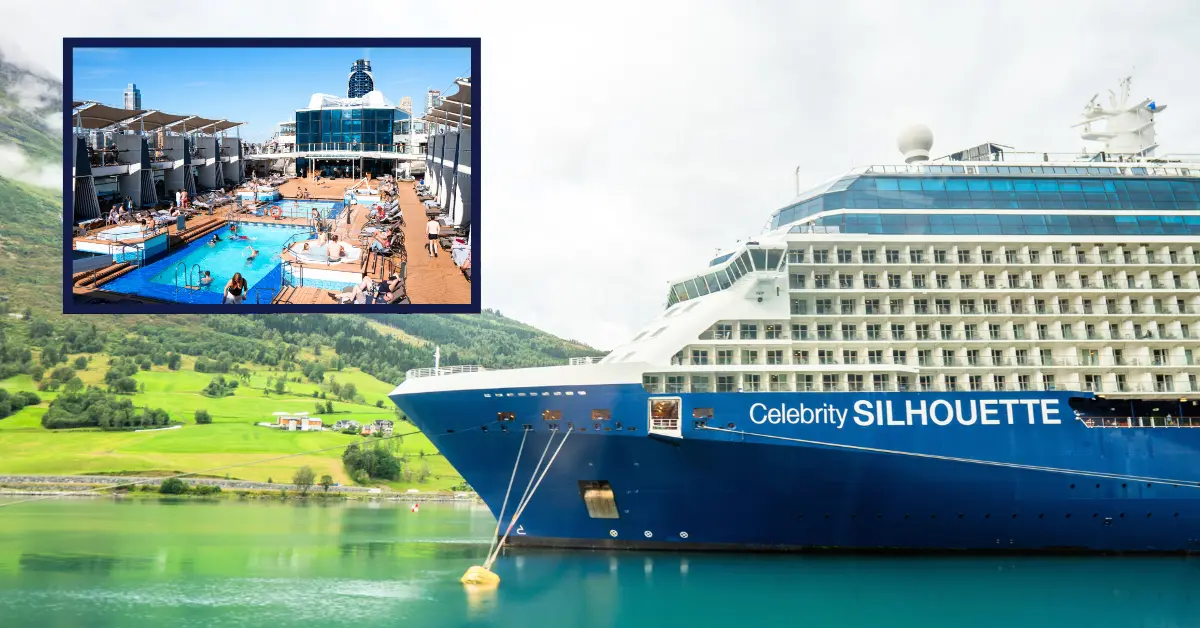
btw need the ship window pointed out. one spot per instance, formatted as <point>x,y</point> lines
<point>505,416</point>
<point>551,415</point>
<point>745,259</point>
<point>773,258</point>
<point>702,413</point>
<point>601,415</point>
<point>599,499</point>
<point>760,259</point>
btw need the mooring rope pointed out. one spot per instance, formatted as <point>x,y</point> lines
<point>496,534</point>
<point>525,502</point>
<point>1012,465</point>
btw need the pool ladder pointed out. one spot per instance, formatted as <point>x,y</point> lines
<point>187,276</point>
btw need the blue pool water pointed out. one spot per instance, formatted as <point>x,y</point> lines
<point>293,208</point>
<point>324,284</point>
<point>157,280</point>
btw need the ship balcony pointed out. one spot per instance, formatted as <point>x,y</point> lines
<point>997,262</point>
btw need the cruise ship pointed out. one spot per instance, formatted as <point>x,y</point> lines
<point>989,351</point>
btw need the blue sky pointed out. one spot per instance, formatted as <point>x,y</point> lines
<point>258,86</point>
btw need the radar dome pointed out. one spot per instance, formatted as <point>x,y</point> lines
<point>915,142</point>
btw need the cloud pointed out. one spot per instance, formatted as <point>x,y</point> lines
<point>619,153</point>
<point>34,93</point>
<point>14,164</point>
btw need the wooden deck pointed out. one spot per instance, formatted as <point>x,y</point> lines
<point>434,280</point>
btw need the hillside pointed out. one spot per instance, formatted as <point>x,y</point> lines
<point>306,351</point>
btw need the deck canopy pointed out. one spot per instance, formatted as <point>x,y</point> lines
<point>193,123</point>
<point>455,108</point>
<point>99,116</point>
<point>153,120</point>
<point>225,125</point>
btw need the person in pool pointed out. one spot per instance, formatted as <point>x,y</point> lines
<point>215,239</point>
<point>233,229</point>
<point>207,279</point>
<point>253,254</point>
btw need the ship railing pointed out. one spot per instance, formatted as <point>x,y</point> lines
<point>443,370</point>
<point>587,360</point>
<point>1010,260</point>
<point>664,424</point>
<point>1140,421</point>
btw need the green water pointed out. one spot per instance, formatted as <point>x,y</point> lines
<point>100,563</point>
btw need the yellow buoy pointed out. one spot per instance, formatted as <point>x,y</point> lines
<point>480,575</point>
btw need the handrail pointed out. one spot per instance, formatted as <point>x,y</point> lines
<point>176,275</point>
<point>189,276</point>
<point>444,370</point>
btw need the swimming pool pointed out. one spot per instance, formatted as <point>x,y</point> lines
<point>222,260</point>
<point>295,208</point>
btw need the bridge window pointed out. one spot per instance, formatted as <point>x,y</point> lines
<point>505,416</point>
<point>551,415</point>
<point>601,415</point>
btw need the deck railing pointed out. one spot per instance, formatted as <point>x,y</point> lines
<point>590,360</point>
<point>444,370</point>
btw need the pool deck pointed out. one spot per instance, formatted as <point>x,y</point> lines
<point>431,280</point>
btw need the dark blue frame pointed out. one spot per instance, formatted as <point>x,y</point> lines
<point>71,43</point>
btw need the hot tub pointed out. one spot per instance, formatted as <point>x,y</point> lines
<point>318,253</point>
<point>263,195</point>
<point>123,232</point>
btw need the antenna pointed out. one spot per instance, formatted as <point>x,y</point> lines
<point>797,180</point>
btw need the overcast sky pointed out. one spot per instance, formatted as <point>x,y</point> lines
<point>624,142</point>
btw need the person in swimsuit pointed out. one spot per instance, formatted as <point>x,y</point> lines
<point>433,228</point>
<point>207,279</point>
<point>253,255</point>
<point>235,291</point>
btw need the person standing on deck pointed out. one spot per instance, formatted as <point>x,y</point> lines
<point>178,199</point>
<point>433,228</point>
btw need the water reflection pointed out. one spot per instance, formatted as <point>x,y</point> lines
<point>258,564</point>
<point>95,564</point>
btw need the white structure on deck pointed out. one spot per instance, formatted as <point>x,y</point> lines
<point>986,270</point>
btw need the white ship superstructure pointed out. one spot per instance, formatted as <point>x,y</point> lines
<point>987,270</point>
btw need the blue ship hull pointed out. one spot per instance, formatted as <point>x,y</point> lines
<point>856,471</point>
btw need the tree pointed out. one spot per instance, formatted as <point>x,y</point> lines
<point>328,407</point>
<point>326,482</point>
<point>378,403</point>
<point>280,386</point>
<point>80,363</point>
<point>172,486</point>
<point>202,417</point>
<point>173,361</point>
<point>73,385</point>
<point>304,479</point>
<point>348,391</point>
<point>124,386</point>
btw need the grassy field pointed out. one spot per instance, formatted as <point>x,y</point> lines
<point>231,439</point>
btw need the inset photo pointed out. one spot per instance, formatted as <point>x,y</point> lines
<point>251,175</point>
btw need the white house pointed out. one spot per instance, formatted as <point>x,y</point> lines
<point>298,422</point>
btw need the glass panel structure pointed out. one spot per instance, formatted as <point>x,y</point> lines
<point>872,192</point>
<point>1017,224</point>
<point>349,128</point>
